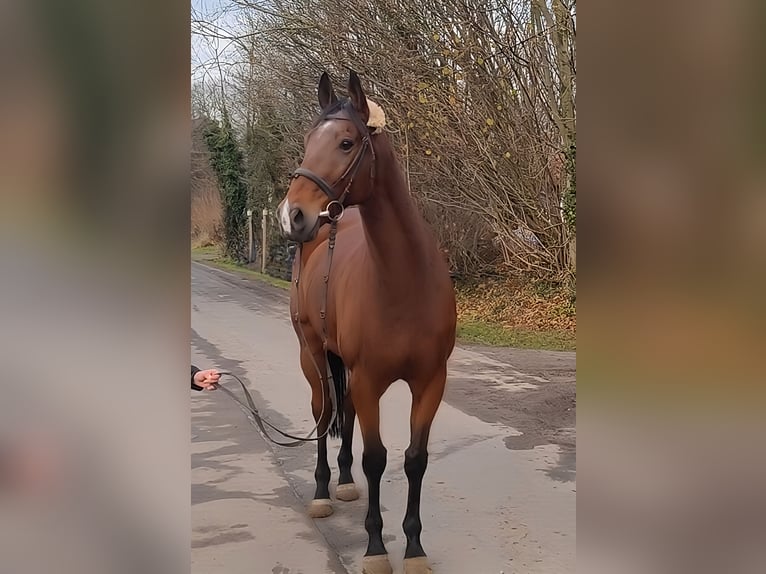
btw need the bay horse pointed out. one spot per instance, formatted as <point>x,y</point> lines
<point>371,300</point>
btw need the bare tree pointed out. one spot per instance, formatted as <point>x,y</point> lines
<point>480,101</point>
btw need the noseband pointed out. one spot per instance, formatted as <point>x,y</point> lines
<point>334,210</point>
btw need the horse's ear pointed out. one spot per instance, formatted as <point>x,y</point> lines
<point>327,95</point>
<point>357,96</point>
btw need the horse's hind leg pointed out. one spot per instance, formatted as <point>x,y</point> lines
<point>346,488</point>
<point>426,398</point>
<point>321,408</point>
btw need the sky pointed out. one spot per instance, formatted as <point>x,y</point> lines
<point>221,13</point>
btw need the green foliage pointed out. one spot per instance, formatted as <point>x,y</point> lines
<point>226,159</point>
<point>570,197</point>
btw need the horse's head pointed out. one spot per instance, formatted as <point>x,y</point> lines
<point>338,164</point>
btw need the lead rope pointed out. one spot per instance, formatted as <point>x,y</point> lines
<point>255,418</point>
<point>249,408</point>
<point>328,380</point>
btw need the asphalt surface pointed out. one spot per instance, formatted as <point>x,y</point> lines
<point>498,496</point>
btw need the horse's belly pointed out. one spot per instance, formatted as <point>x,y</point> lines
<point>392,347</point>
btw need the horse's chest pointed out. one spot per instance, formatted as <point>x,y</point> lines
<point>360,320</point>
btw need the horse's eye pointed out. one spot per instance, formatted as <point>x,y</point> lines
<point>346,145</point>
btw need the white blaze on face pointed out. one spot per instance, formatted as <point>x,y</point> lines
<point>284,216</point>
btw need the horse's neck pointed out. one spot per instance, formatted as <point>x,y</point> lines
<point>394,229</point>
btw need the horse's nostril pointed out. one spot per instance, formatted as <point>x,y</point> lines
<point>296,216</point>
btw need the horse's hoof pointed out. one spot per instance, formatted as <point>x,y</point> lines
<point>417,565</point>
<point>376,565</point>
<point>347,492</point>
<point>320,508</point>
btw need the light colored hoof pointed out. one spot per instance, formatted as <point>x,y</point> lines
<point>347,492</point>
<point>417,565</point>
<point>320,508</point>
<point>376,565</point>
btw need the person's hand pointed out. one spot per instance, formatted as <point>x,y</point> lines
<point>207,379</point>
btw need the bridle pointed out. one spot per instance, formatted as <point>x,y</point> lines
<point>334,210</point>
<point>336,207</point>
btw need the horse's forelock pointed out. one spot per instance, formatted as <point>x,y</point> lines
<point>337,106</point>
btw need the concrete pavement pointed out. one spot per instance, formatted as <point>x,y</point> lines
<point>486,508</point>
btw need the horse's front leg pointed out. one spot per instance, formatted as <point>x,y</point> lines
<point>366,399</point>
<point>321,408</point>
<point>426,398</point>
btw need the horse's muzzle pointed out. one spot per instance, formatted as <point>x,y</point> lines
<point>303,229</point>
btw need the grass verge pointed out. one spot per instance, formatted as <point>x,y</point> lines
<point>208,252</point>
<point>211,256</point>
<point>486,333</point>
<point>502,311</point>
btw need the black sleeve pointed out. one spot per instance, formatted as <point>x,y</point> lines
<point>194,371</point>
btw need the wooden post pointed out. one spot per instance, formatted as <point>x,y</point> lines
<point>250,254</point>
<point>264,247</point>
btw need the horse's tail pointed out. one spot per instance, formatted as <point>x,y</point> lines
<point>338,370</point>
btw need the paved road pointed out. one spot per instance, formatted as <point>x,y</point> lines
<point>497,498</point>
